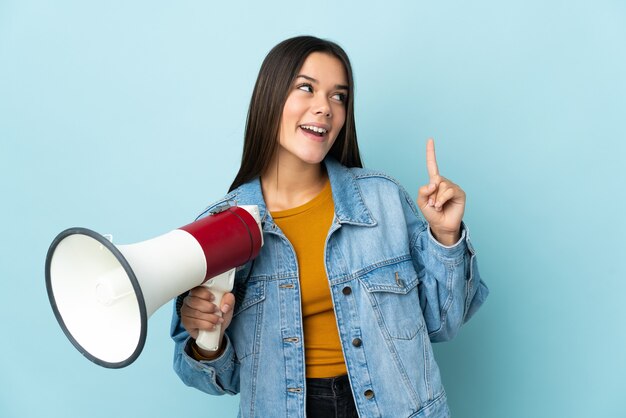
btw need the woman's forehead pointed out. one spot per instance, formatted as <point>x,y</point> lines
<point>324,68</point>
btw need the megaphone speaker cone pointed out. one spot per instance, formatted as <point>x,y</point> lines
<point>96,297</point>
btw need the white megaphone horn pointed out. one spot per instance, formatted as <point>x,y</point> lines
<point>102,294</point>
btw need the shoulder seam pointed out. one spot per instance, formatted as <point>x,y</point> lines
<point>362,173</point>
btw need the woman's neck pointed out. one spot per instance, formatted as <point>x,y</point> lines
<point>289,184</point>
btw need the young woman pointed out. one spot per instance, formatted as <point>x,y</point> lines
<point>336,315</point>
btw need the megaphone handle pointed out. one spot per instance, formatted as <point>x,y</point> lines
<point>218,285</point>
<point>210,340</point>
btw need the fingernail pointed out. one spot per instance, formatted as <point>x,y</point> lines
<point>431,202</point>
<point>225,308</point>
<point>431,186</point>
<point>220,320</point>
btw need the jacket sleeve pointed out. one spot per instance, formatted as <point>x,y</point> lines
<point>215,377</point>
<point>450,287</point>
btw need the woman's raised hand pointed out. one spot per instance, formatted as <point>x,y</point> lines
<point>442,202</point>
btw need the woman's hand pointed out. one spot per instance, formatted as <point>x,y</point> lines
<point>442,202</point>
<point>200,313</point>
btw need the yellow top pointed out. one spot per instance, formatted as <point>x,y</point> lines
<point>306,227</point>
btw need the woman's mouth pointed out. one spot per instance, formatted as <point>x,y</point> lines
<point>314,132</point>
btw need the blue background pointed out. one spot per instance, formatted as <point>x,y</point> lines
<point>127,118</point>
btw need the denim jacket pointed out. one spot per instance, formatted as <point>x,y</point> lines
<point>394,289</point>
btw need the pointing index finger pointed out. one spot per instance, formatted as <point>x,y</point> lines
<point>431,159</point>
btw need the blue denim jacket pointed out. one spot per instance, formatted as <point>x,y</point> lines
<point>394,288</point>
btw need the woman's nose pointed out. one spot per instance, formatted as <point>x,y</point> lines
<point>322,107</point>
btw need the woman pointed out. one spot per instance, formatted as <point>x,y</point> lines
<point>337,313</point>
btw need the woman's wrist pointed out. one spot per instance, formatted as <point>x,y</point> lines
<point>446,238</point>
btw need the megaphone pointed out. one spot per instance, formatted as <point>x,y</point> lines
<point>102,294</point>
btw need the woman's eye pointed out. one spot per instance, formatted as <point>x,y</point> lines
<point>305,87</point>
<point>341,97</point>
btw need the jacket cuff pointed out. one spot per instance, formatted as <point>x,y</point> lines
<point>454,251</point>
<point>211,367</point>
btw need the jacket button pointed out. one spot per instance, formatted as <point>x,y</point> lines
<point>347,290</point>
<point>357,342</point>
<point>369,394</point>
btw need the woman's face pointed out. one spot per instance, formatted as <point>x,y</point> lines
<point>315,110</point>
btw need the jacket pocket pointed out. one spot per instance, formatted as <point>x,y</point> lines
<point>245,329</point>
<point>392,291</point>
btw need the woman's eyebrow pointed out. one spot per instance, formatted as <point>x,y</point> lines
<point>311,79</point>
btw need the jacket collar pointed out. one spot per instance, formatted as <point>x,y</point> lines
<point>349,205</point>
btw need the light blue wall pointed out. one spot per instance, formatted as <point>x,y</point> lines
<point>127,118</point>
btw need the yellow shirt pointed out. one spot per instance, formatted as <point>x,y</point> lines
<point>306,227</point>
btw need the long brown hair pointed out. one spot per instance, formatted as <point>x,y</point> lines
<point>279,69</point>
